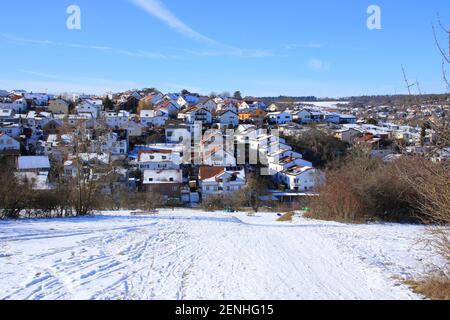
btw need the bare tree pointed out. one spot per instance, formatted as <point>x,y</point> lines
<point>445,56</point>
<point>82,181</point>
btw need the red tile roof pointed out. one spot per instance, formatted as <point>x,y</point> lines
<point>209,172</point>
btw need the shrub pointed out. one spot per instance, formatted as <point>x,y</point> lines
<point>434,287</point>
<point>287,217</point>
<point>361,189</point>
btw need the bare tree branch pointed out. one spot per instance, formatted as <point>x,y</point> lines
<point>441,25</point>
<point>444,75</point>
<point>446,57</point>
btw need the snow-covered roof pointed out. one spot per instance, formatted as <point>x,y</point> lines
<point>151,113</point>
<point>6,112</point>
<point>162,176</point>
<point>297,170</point>
<point>33,162</point>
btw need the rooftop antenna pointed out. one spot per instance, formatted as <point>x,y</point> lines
<point>408,85</point>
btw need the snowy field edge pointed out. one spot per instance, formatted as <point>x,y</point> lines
<point>190,254</point>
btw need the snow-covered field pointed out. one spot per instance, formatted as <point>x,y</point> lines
<point>194,255</point>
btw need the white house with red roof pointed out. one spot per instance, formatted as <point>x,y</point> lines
<point>220,180</point>
<point>193,114</point>
<point>169,107</point>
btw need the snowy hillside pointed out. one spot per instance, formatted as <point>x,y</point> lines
<point>194,255</point>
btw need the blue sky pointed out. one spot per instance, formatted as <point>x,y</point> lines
<point>261,47</point>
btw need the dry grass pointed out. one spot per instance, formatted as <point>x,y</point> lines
<point>435,288</point>
<point>287,217</point>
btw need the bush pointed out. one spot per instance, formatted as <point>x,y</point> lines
<point>362,188</point>
<point>235,201</point>
<point>434,287</point>
<point>287,217</point>
<point>318,147</point>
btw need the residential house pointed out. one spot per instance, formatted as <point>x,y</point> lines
<point>194,114</point>
<point>210,105</point>
<point>298,178</point>
<point>7,115</point>
<point>116,120</point>
<point>228,118</point>
<point>58,106</point>
<point>134,129</point>
<point>243,106</point>
<point>158,160</point>
<point>308,116</point>
<point>191,99</point>
<point>284,159</point>
<point>115,143</point>
<point>74,120</point>
<point>88,106</point>
<point>169,107</point>
<point>227,105</point>
<point>8,143</point>
<point>73,162</point>
<point>378,144</point>
<point>52,126</point>
<point>347,134</point>
<point>279,117</point>
<point>37,99</point>
<point>168,183</point>
<point>11,129</point>
<point>19,105</point>
<point>256,116</point>
<point>33,164</point>
<point>36,119</point>
<point>340,118</point>
<point>153,118</point>
<point>214,152</point>
<point>220,180</point>
<point>181,102</point>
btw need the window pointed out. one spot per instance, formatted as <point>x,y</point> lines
<point>150,179</point>
<point>171,179</point>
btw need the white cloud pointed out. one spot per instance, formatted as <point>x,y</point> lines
<point>317,64</point>
<point>59,84</point>
<point>134,54</point>
<point>234,52</point>
<point>157,9</point>
<point>303,46</point>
